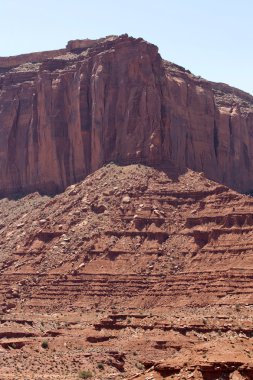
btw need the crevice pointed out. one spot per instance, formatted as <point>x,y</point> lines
<point>215,139</point>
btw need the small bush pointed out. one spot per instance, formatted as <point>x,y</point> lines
<point>237,307</point>
<point>100,366</point>
<point>85,374</point>
<point>140,366</point>
<point>44,344</point>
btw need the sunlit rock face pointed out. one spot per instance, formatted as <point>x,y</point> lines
<point>65,113</point>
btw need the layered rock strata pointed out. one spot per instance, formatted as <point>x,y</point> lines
<point>132,273</point>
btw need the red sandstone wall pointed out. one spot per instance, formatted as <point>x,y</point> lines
<point>119,102</point>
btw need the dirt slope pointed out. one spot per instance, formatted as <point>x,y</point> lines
<point>133,270</point>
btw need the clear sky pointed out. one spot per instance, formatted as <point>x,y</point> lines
<point>212,38</point>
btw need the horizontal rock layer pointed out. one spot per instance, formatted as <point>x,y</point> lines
<point>133,268</point>
<point>65,113</point>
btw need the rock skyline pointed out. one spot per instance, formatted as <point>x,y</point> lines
<point>65,113</point>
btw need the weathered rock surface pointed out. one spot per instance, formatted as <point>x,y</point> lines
<point>133,273</point>
<point>63,114</point>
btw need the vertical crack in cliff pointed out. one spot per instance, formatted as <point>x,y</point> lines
<point>12,166</point>
<point>215,128</point>
<point>230,126</point>
<point>215,139</point>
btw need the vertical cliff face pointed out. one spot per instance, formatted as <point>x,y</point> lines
<point>64,114</point>
<point>208,128</point>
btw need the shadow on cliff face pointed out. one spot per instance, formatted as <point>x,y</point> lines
<point>250,193</point>
<point>169,167</point>
<point>20,195</point>
<point>171,170</point>
<point>15,196</point>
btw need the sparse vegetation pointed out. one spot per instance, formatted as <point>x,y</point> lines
<point>237,307</point>
<point>44,344</point>
<point>85,374</point>
<point>140,366</point>
<point>100,366</point>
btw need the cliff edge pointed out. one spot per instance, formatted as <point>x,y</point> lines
<point>65,113</point>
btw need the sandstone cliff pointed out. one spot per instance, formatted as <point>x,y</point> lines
<point>63,114</point>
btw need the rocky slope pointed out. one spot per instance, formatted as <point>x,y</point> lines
<point>134,273</point>
<point>63,114</point>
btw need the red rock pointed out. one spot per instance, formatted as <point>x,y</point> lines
<point>160,287</point>
<point>65,113</point>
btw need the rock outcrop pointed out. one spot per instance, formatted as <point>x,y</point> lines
<point>133,273</point>
<point>63,114</point>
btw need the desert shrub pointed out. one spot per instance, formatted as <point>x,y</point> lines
<point>237,307</point>
<point>140,366</point>
<point>44,344</point>
<point>85,374</point>
<point>100,366</point>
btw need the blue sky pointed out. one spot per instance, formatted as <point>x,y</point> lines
<point>212,38</point>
